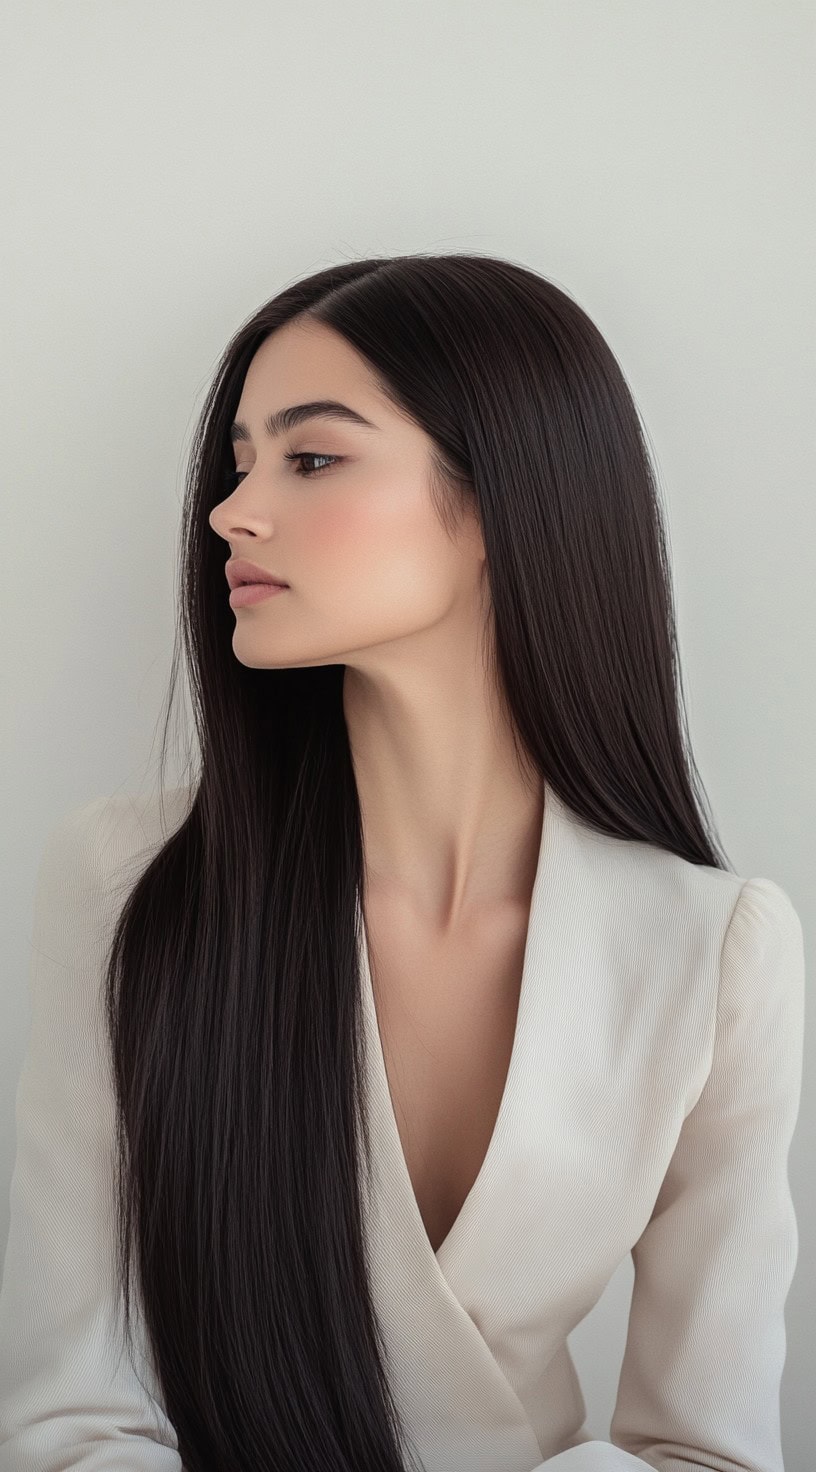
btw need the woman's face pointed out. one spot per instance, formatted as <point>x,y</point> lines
<point>368,562</point>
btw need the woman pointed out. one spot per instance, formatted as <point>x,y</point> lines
<point>435,997</point>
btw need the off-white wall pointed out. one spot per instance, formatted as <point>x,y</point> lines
<point>170,166</point>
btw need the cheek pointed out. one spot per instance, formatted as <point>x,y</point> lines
<point>334,531</point>
<point>394,542</point>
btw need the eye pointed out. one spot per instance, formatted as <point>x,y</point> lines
<point>308,455</point>
<point>233,478</point>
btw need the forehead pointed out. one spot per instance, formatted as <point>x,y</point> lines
<point>302,362</point>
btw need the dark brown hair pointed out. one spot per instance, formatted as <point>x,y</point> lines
<point>233,994</point>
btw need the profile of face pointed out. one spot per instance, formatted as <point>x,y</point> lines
<point>342,513</point>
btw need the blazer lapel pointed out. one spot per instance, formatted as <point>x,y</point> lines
<point>447,1377</point>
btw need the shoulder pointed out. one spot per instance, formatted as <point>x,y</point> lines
<point>762,965</point>
<point>650,887</point>
<point>764,911</point>
<point>90,858</point>
<point>672,919</point>
<point>116,827</point>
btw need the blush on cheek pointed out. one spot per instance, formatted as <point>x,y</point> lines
<point>339,531</point>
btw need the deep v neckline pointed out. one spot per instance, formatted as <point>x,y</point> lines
<point>477,1197</point>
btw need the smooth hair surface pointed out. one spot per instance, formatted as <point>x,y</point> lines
<point>233,993</point>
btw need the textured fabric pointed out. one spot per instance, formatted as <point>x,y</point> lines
<point>649,1107</point>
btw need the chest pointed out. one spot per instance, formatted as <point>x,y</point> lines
<point>446,1011</point>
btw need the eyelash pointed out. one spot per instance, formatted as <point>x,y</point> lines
<point>232,477</point>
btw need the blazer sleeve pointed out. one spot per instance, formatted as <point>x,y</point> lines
<point>699,1386</point>
<point>70,1395</point>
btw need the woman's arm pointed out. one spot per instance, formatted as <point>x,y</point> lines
<point>69,1395</point>
<point>699,1388</point>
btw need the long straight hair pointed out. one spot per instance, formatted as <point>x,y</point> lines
<point>233,995</point>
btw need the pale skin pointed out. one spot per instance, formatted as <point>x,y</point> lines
<point>451,825</point>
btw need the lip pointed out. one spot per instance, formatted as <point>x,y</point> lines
<point>239,571</point>
<point>254,593</point>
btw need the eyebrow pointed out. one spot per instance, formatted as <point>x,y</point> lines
<point>286,419</point>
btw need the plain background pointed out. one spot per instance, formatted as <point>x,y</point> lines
<point>168,167</point>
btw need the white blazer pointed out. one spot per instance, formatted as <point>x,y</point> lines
<point>649,1107</point>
